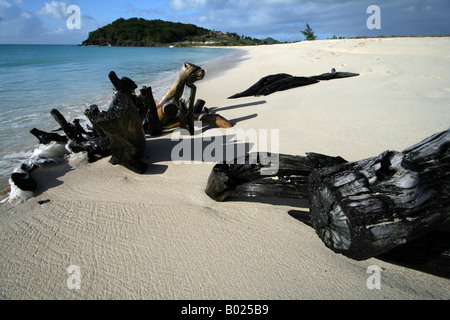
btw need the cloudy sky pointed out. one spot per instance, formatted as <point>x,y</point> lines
<point>45,22</point>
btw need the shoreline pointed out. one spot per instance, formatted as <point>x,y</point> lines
<point>159,236</point>
<point>160,88</point>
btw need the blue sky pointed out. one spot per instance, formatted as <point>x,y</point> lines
<point>41,21</point>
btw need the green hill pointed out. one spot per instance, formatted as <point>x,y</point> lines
<point>138,32</point>
<point>269,41</point>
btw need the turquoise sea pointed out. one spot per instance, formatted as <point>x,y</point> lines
<point>34,79</point>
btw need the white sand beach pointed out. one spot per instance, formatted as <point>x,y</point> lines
<point>159,236</point>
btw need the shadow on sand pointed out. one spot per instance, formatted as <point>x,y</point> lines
<point>429,253</point>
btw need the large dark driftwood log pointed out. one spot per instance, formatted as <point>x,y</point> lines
<point>151,123</point>
<point>260,85</point>
<point>389,206</point>
<point>122,125</point>
<point>282,81</point>
<point>429,253</point>
<point>124,85</point>
<point>334,75</point>
<point>365,208</point>
<point>186,107</point>
<point>46,137</point>
<point>71,130</point>
<point>251,176</point>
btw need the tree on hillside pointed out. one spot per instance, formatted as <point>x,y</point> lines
<point>309,33</point>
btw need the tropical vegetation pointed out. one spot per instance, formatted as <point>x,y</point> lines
<point>147,33</point>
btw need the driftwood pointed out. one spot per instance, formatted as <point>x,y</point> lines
<point>174,111</point>
<point>122,125</point>
<point>120,131</point>
<point>365,208</point>
<point>109,136</point>
<point>189,74</point>
<point>167,107</point>
<point>283,81</point>
<point>186,107</point>
<point>117,132</point>
<point>124,85</point>
<point>428,253</point>
<point>46,137</point>
<point>151,123</point>
<point>245,177</point>
<point>77,138</point>
<point>360,209</point>
<point>334,75</point>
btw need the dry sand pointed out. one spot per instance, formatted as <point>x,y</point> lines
<point>159,236</point>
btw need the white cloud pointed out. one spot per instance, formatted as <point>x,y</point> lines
<point>5,4</point>
<point>283,19</point>
<point>17,25</point>
<point>182,5</point>
<point>54,9</point>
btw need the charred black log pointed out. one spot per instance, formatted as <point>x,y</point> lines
<point>122,125</point>
<point>286,84</point>
<point>283,81</point>
<point>429,253</point>
<point>72,131</point>
<point>97,147</point>
<point>128,86</point>
<point>24,181</point>
<point>266,175</point>
<point>186,108</point>
<point>260,85</point>
<point>334,75</point>
<point>152,125</point>
<point>365,208</point>
<point>46,138</point>
<point>198,108</point>
<point>124,85</point>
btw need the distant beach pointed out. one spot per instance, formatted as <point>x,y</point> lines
<point>159,236</point>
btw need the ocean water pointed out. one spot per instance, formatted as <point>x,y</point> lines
<point>34,79</point>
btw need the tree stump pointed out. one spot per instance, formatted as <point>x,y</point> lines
<point>151,124</point>
<point>365,208</point>
<point>122,125</point>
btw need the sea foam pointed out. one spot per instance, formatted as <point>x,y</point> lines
<point>53,152</point>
